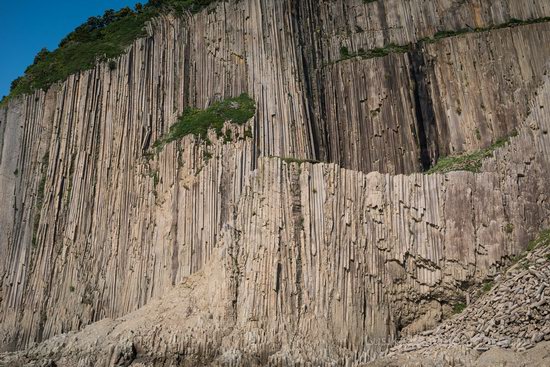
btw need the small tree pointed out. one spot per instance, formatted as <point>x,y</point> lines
<point>41,55</point>
<point>15,83</point>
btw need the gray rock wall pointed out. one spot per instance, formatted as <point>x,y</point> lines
<point>326,266</point>
<point>92,228</point>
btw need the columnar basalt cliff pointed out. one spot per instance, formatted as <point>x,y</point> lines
<point>311,233</point>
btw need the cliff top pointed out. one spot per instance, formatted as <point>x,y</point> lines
<point>99,38</point>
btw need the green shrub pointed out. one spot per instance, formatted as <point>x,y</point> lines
<point>98,39</point>
<point>374,52</point>
<point>197,122</point>
<point>344,52</point>
<point>509,228</point>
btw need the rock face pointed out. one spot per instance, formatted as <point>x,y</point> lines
<point>509,320</point>
<point>263,258</point>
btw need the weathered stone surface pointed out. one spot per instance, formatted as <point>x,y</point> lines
<point>506,321</point>
<point>319,262</point>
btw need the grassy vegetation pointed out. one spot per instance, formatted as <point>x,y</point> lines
<point>467,162</point>
<point>197,122</point>
<point>511,23</point>
<point>509,228</point>
<point>374,52</point>
<point>99,39</point>
<point>487,286</point>
<point>543,239</point>
<point>297,160</point>
<point>394,48</point>
<point>106,37</point>
<point>458,307</point>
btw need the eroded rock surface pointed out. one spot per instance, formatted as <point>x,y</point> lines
<point>508,326</point>
<point>243,251</point>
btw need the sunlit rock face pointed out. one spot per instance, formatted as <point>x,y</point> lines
<point>312,234</point>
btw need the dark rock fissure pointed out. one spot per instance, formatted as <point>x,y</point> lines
<point>425,116</point>
<point>308,62</point>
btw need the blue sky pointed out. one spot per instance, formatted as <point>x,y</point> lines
<point>28,25</point>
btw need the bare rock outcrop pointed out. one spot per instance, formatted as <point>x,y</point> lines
<point>312,236</point>
<point>503,327</point>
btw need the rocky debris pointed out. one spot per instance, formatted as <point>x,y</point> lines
<point>327,261</point>
<point>513,315</point>
<point>461,356</point>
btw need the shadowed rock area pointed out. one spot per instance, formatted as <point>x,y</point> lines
<point>309,234</point>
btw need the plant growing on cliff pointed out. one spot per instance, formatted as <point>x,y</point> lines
<point>470,161</point>
<point>458,308</point>
<point>487,286</point>
<point>197,122</point>
<point>391,48</point>
<point>543,239</point>
<point>99,39</point>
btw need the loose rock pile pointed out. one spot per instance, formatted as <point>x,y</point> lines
<point>514,314</point>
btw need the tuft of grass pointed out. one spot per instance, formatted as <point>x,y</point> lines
<point>543,239</point>
<point>471,162</point>
<point>197,122</point>
<point>487,286</point>
<point>248,133</point>
<point>344,52</point>
<point>155,176</point>
<point>99,39</point>
<point>458,308</point>
<point>228,136</point>
<point>374,52</point>
<point>509,228</point>
<point>207,155</point>
<point>290,160</point>
<point>513,22</point>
